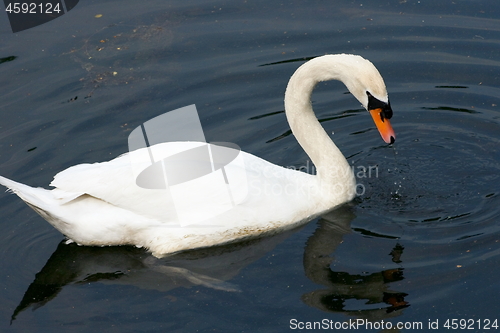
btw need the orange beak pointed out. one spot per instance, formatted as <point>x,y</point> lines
<point>383,125</point>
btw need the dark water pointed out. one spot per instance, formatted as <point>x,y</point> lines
<point>420,244</point>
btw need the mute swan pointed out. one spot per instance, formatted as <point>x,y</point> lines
<point>100,204</point>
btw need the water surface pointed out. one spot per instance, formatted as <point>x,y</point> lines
<point>419,244</point>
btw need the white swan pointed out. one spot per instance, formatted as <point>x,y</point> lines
<point>100,204</point>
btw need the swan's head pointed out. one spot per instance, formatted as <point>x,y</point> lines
<point>366,84</point>
<point>358,74</point>
<point>361,78</point>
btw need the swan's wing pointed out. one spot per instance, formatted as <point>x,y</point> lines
<point>115,183</point>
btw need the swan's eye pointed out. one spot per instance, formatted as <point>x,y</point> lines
<point>375,103</point>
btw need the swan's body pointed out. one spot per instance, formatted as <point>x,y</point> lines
<point>100,204</point>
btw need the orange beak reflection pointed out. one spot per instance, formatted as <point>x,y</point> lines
<point>383,125</point>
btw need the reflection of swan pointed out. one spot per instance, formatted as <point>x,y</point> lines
<point>369,291</point>
<point>100,204</point>
<point>132,267</point>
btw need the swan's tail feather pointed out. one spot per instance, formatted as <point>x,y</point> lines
<point>30,195</point>
<point>39,199</point>
<point>37,196</point>
<point>11,185</point>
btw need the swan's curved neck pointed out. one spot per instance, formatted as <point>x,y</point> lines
<point>331,165</point>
